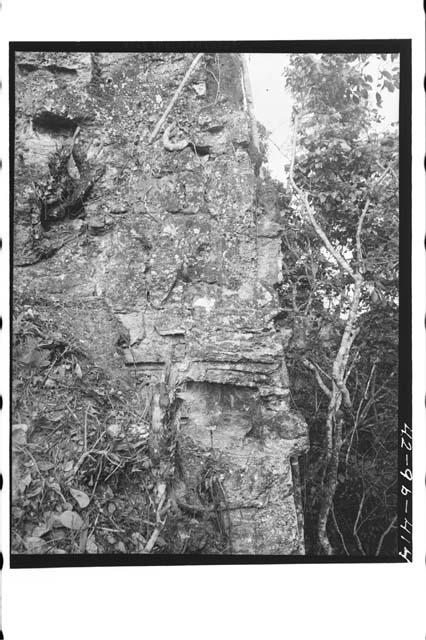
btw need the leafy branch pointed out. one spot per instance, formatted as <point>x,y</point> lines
<point>338,392</point>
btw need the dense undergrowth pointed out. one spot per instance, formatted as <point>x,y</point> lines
<point>82,477</point>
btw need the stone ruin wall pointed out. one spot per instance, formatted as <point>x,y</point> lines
<point>173,252</point>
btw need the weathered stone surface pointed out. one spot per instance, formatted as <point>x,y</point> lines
<point>171,250</point>
<point>135,325</point>
<point>254,467</point>
<point>221,134</point>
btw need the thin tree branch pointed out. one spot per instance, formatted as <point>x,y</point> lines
<point>363,214</point>
<point>310,215</point>
<point>338,530</point>
<point>383,175</point>
<point>348,372</point>
<point>384,534</point>
<point>320,381</point>
<point>250,103</point>
<point>349,332</point>
<point>346,396</point>
<point>217,80</point>
<point>358,237</point>
<point>355,529</point>
<point>363,410</point>
<point>74,137</point>
<point>163,118</point>
<point>324,373</point>
<point>298,501</point>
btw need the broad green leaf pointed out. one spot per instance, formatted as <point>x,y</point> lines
<point>81,498</point>
<point>70,520</point>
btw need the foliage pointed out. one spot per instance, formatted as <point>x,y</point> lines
<point>340,287</point>
<point>83,479</point>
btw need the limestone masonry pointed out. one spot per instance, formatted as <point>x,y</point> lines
<point>169,249</point>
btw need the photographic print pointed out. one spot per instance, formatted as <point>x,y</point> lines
<point>211,356</point>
